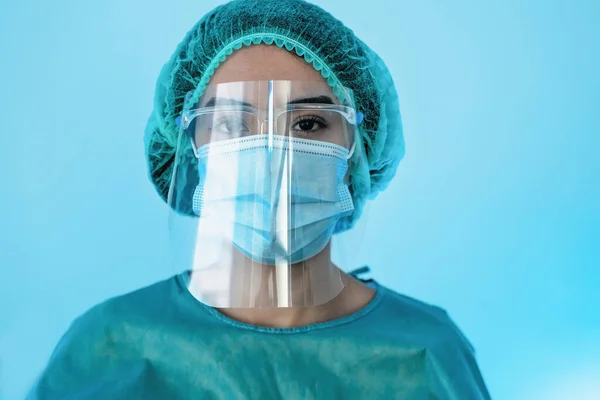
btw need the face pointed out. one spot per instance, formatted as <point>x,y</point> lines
<point>262,90</point>
<point>239,86</point>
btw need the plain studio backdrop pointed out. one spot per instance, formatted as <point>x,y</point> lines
<point>494,214</point>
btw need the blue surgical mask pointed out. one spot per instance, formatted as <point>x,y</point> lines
<point>250,182</point>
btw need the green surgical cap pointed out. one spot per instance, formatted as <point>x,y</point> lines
<point>311,33</point>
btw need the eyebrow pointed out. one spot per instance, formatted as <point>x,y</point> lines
<point>232,102</point>
<point>226,102</point>
<point>312,100</point>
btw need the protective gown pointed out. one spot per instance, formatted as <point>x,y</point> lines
<point>161,343</point>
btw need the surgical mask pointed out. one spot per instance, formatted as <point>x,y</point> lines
<point>278,197</point>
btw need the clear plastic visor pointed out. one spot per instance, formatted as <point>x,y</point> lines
<point>259,184</point>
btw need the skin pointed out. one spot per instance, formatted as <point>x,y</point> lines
<point>260,63</point>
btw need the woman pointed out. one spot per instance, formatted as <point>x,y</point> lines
<point>272,125</point>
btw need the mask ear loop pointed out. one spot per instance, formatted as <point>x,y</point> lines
<point>351,153</point>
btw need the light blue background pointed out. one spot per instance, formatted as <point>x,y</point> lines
<point>494,213</point>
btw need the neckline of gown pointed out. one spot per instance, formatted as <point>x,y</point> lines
<point>379,292</point>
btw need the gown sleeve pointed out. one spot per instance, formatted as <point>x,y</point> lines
<point>453,370</point>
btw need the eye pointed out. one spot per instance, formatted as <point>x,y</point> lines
<point>309,124</point>
<point>230,126</point>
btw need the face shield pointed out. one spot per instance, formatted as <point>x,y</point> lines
<point>260,182</point>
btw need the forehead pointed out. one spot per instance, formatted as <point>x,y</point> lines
<point>261,94</point>
<point>264,63</point>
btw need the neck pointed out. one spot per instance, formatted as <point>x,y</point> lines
<point>353,297</point>
<point>283,296</point>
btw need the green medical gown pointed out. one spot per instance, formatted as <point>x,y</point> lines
<point>161,343</point>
